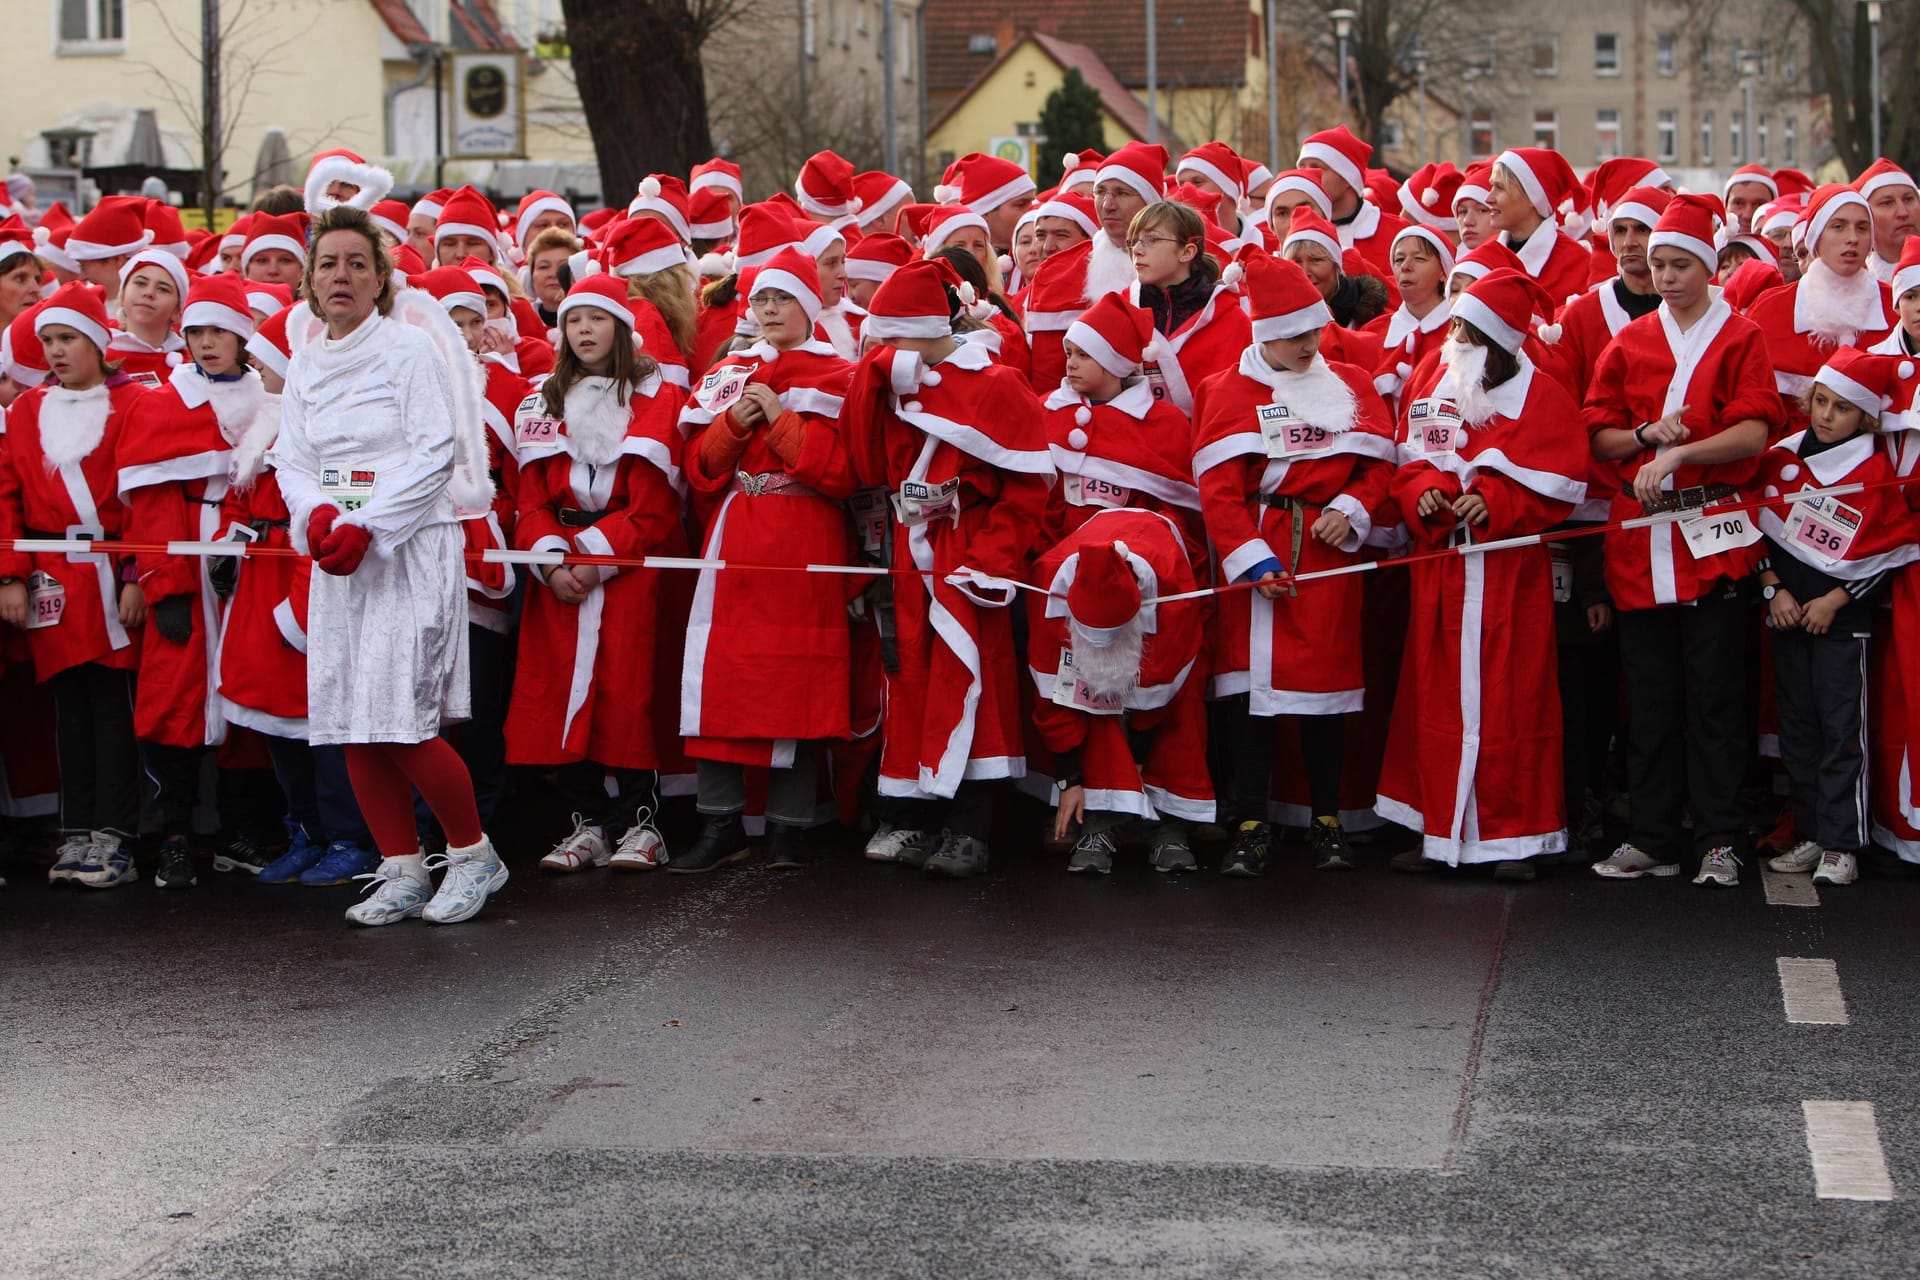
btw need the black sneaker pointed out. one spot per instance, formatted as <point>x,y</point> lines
<point>246,854</point>
<point>1247,856</point>
<point>786,846</point>
<point>176,869</point>
<point>722,842</point>
<point>958,857</point>
<point>1328,844</point>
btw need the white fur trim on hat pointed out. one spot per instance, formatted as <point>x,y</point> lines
<point>1063,209</point>
<point>1818,222</point>
<point>645,203</point>
<point>1320,238</point>
<point>547,204</point>
<point>258,243</point>
<point>1522,173</point>
<point>664,258</point>
<point>475,302</point>
<point>217,315</point>
<point>1646,215</point>
<point>1089,340</point>
<point>1904,281</point>
<point>1294,323</point>
<point>891,328</point>
<point>869,269</point>
<point>1850,391</point>
<point>175,270</point>
<point>938,236</point>
<point>1433,240</point>
<point>1691,244</point>
<point>1212,172</point>
<point>1483,317</point>
<point>1892,178</point>
<point>1336,160</point>
<point>92,251</point>
<point>373,181</point>
<point>711,230</point>
<point>1121,173</point>
<point>89,328</point>
<point>806,291</point>
<point>442,230</point>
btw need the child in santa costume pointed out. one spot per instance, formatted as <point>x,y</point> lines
<point>1683,400</point>
<point>960,443</point>
<point>82,612</point>
<point>1293,454</point>
<point>599,475</point>
<point>1121,680</point>
<point>146,344</point>
<point>766,675</point>
<point>1827,558</point>
<point>1196,311</point>
<point>1495,452</point>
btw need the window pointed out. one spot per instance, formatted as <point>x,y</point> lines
<point>1606,54</point>
<point>982,44</point>
<point>1736,140</point>
<point>1760,140</point>
<point>1606,134</point>
<point>1789,138</point>
<point>1546,129</point>
<point>1706,137</point>
<point>903,37</point>
<point>1706,55</point>
<point>1669,134</point>
<point>92,26</point>
<point>1480,133</point>
<point>1392,135</point>
<point>1667,53</point>
<point>1546,55</point>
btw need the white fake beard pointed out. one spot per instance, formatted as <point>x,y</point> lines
<point>236,405</point>
<point>73,423</point>
<point>1318,397</point>
<point>1109,269</point>
<point>1113,671</point>
<point>1838,306</point>
<point>839,333</point>
<point>1464,382</point>
<point>596,421</point>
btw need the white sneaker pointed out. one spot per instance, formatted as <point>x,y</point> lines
<point>396,896</point>
<point>641,849</point>
<point>1719,869</point>
<point>1630,863</point>
<point>72,856</point>
<point>586,847</point>
<point>1837,868</point>
<point>1796,860</point>
<point>108,863</point>
<point>473,874</point>
<point>891,844</point>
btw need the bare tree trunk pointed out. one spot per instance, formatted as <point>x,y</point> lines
<point>637,66</point>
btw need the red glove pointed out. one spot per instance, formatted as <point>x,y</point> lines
<point>319,524</point>
<point>344,548</point>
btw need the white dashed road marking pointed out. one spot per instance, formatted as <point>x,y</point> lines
<point>1789,890</point>
<point>1810,989</point>
<point>1844,1140</point>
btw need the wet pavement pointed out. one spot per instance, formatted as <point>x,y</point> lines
<point>854,1071</point>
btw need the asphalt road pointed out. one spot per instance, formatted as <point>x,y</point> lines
<point>853,1071</point>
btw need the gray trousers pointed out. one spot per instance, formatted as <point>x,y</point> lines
<point>1820,689</point>
<point>721,788</point>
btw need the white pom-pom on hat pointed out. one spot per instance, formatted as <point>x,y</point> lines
<point>1430,197</point>
<point>1549,333</point>
<point>944,194</point>
<point>1070,162</point>
<point>42,237</point>
<point>1006,264</point>
<point>1772,491</point>
<point>1233,275</point>
<point>649,186</point>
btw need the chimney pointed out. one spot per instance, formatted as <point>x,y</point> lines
<point>1004,35</point>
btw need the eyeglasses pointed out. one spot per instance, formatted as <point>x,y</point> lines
<point>1148,242</point>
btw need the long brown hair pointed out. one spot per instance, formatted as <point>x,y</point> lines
<point>629,369</point>
<point>671,293</point>
<point>1502,364</point>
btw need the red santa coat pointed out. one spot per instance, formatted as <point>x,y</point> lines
<point>1169,700</point>
<point>1356,347</point>
<point>767,663</point>
<point>1719,370</point>
<point>1131,451</point>
<point>73,499</point>
<point>1208,343</point>
<point>584,684</point>
<point>1322,441</point>
<point>1576,340</point>
<point>1055,299</point>
<point>1370,234</point>
<point>263,642</point>
<point>147,365</point>
<point>1473,760</point>
<point>1405,341</point>
<point>1559,262</point>
<point>1006,342</point>
<point>1787,320</point>
<point>971,430</point>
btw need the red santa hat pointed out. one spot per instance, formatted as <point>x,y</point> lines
<point>467,213</point>
<point>269,345</point>
<point>1080,169</point>
<point>1309,227</point>
<point>341,165</point>
<point>204,258</point>
<point>1750,173</point>
<point>1864,380</point>
<point>946,223</point>
<point>432,204</point>
<point>983,183</point>
<point>717,175</point>
<point>1779,215</point>
<point>288,232</point>
<point>266,299</point>
<point>1827,200</point>
<point>406,261</point>
<point>78,306</point>
<point>22,358</point>
<point>1643,205</point>
<point>115,226</point>
<point>1755,243</point>
<point>1475,185</point>
<point>1749,280</point>
<point>1114,332</point>
<point>219,302</point>
<point>1306,182</point>
<point>879,195</point>
<point>1072,206</point>
<point>1688,224</point>
<point>486,276</point>
<point>878,256</point>
<point>1792,182</point>
<point>1283,302</point>
<point>1906,273</point>
<point>765,229</point>
<point>817,237</point>
<point>710,214</point>
<point>391,217</point>
<point>1441,246</point>
<point>795,273</point>
<point>1489,257</point>
<point>914,302</point>
<point>1881,173</point>
<point>640,247</point>
<point>1340,151</point>
<point>825,186</point>
<point>453,288</point>
<point>1104,597</point>
<point>1220,164</point>
<point>176,270</point>
<point>1612,179</point>
<point>1141,165</point>
<point>605,292</point>
<point>596,222</point>
<point>665,195</point>
<point>15,237</point>
<point>236,232</point>
<point>532,205</point>
<point>163,221</point>
<point>1427,196</point>
<point>1550,184</point>
<point>1502,305</point>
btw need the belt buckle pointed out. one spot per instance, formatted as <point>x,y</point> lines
<point>1692,496</point>
<point>753,484</point>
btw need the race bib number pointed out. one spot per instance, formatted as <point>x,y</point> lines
<point>1069,690</point>
<point>1434,426</point>
<point>1156,380</point>
<point>148,380</point>
<point>1286,435</point>
<point>1086,491</point>
<point>722,388</point>
<point>46,601</point>
<point>347,487</point>
<point>1824,528</point>
<point>921,503</point>
<point>536,430</point>
<point>870,518</point>
<point>1562,575</point>
<point>1713,533</point>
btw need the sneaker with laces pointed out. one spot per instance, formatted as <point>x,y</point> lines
<point>302,852</point>
<point>958,857</point>
<point>898,844</point>
<point>1629,862</point>
<point>246,855</point>
<point>586,847</point>
<point>1092,854</point>
<point>473,874</point>
<point>1719,868</point>
<point>1328,843</point>
<point>343,863</point>
<point>395,896</point>
<point>1247,855</point>
<point>1800,858</point>
<point>1837,867</point>
<point>176,870</point>
<point>1171,856</point>
<point>70,858</point>
<point>641,849</point>
<point>109,863</point>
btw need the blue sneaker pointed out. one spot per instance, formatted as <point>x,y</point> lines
<point>109,863</point>
<point>341,864</point>
<point>302,852</point>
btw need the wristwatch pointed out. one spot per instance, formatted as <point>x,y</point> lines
<point>1638,438</point>
<point>1769,591</point>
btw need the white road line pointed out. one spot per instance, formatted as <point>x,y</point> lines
<point>1844,1140</point>
<point>1789,890</point>
<point>1810,989</point>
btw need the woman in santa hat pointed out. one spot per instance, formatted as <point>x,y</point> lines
<point>1532,195</point>
<point>147,344</point>
<point>381,443</point>
<point>547,276</point>
<point>20,270</point>
<point>82,613</point>
<point>275,251</point>
<point>1683,400</point>
<point>1496,453</point>
<point>1353,298</point>
<point>766,677</point>
<point>1414,330</point>
<point>1197,318</point>
<point>987,318</point>
<point>959,442</point>
<point>1293,454</point>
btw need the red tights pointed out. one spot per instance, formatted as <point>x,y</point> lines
<point>385,775</point>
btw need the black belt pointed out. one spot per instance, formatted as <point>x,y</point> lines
<point>62,536</point>
<point>574,518</point>
<point>1296,534</point>
<point>261,526</point>
<point>1698,495</point>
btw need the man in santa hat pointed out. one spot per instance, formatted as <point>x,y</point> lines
<point>1746,189</point>
<point>341,177</point>
<point>1363,227</point>
<point>102,242</point>
<point>1895,202</point>
<point>998,190</point>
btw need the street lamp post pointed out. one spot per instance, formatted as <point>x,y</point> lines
<point>1153,78</point>
<point>1749,68</point>
<point>1420,70</point>
<point>1873,29</point>
<point>1273,88</point>
<point>1342,29</point>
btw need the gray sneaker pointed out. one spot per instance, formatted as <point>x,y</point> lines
<point>898,844</point>
<point>1800,859</point>
<point>473,874</point>
<point>1172,855</point>
<point>1093,855</point>
<point>396,896</point>
<point>1719,868</point>
<point>958,857</point>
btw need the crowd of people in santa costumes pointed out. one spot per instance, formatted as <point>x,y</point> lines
<point>1101,492</point>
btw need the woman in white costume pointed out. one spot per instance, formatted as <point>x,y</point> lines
<point>371,463</point>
